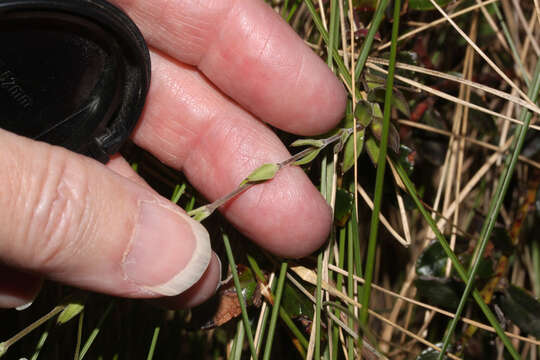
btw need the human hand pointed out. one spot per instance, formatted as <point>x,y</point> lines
<point>220,68</point>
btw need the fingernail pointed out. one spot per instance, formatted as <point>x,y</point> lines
<point>220,271</point>
<point>24,306</point>
<point>169,251</point>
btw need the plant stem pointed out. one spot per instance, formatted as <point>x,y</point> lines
<point>275,311</point>
<point>495,206</point>
<point>241,298</point>
<point>381,165</point>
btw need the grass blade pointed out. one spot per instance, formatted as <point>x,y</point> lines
<point>495,206</point>
<point>381,165</point>
<point>275,311</point>
<point>241,299</point>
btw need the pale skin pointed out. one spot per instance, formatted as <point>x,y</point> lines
<point>221,69</point>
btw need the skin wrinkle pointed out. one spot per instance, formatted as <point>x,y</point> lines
<point>60,207</point>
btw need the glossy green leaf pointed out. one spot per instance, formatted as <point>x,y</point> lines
<point>372,149</point>
<point>432,261</point>
<point>295,303</point>
<point>523,309</point>
<point>393,134</point>
<point>308,142</point>
<point>308,158</point>
<point>348,153</point>
<point>248,283</point>
<point>345,135</point>
<point>398,100</point>
<point>400,103</point>
<point>363,113</point>
<point>343,207</point>
<point>441,292</point>
<point>373,80</point>
<point>424,5</point>
<point>262,173</point>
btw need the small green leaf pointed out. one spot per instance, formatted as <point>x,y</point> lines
<point>363,113</point>
<point>74,304</point>
<point>393,134</point>
<point>295,303</point>
<point>262,173</point>
<point>424,5</point>
<point>398,100</point>
<point>316,143</point>
<point>522,309</point>
<point>372,149</point>
<point>348,153</point>
<point>343,207</point>
<point>432,261</point>
<point>342,140</point>
<point>200,213</point>
<point>308,158</point>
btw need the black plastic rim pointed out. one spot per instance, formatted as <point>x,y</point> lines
<point>109,117</point>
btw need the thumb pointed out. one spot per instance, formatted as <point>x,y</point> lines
<point>75,221</point>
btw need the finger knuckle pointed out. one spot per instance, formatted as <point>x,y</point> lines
<point>61,212</point>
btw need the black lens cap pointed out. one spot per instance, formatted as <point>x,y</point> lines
<point>73,73</point>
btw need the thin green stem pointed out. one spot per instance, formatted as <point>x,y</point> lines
<point>275,311</point>
<point>241,299</point>
<point>495,206</point>
<point>453,258</point>
<point>381,166</point>
<point>79,335</point>
<point>334,32</point>
<point>96,330</point>
<point>282,313</point>
<point>350,280</point>
<point>318,306</point>
<point>4,346</point>
<point>152,349</point>
<point>237,355</point>
<point>339,285</point>
<point>368,42</point>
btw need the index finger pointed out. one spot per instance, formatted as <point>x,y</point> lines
<point>250,54</point>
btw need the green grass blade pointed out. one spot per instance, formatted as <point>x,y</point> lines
<point>368,42</point>
<point>381,166</point>
<point>453,258</point>
<point>79,335</point>
<point>343,71</point>
<point>42,340</point>
<point>241,299</point>
<point>282,313</point>
<point>96,330</point>
<point>318,306</point>
<point>495,206</point>
<point>237,355</point>
<point>275,311</point>
<point>152,349</point>
<point>333,30</point>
